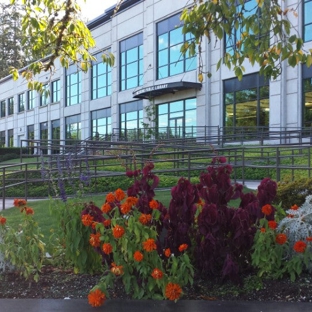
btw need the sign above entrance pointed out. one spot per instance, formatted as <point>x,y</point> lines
<point>165,88</point>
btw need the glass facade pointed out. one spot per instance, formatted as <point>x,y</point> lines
<point>21,102</point>
<point>249,7</point>
<point>131,62</point>
<point>101,123</point>
<point>44,137</point>
<point>170,61</point>
<point>10,138</point>
<point>56,91</point>
<point>177,119</point>
<point>73,128</point>
<point>246,102</point>
<point>73,86</point>
<point>30,99</point>
<point>131,119</point>
<point>10,106</point>
<point>307,20</point>
<point>31,136</point>
<point>2,138</point>
<point>307,96</point>
<point>2,108</point>
<point>101,76</point>
<point>45,96</point>
<point>56,135</point>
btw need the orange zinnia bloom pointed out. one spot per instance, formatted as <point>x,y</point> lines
<point>281,239</point>
<point>167,252</point>
<point>272,225</point>
<point>29,211</point>
<point>86,220</point>
<point>19,202</point>
<point>106,208</point>
<point>120,194</point>
<point>93,225</point>
<point>157,274</point>
<point>95,239</point>
<point>153,204</point>
<point>173,291</point>
<point>125,208</point>
<point>267,209</point>
<point>294,207</point>
<point>107,222</point>
<point>183,247</point>
<point>138,256</point>
<point>145,218</point>
<point>149,245</point>
<point>117,269</point>
<point>309,239</point>
<point>300,246</point>
<point>262,230</point>
<point>2,220</point>
<point>132,201</point>
<point>96,298</point>
<point>110,198</point>
<point>118,231</point>
<point>107,248</point>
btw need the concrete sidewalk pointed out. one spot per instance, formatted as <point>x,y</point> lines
<point>81,305</point>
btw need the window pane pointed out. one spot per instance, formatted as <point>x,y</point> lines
<point>176,68</point>
<point>246,114</point>
<point>176,36</point>
<point>163,58</point>
<point>163,42</point>
<point>308,33</point>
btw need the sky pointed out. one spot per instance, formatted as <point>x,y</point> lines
<point>90,8</point>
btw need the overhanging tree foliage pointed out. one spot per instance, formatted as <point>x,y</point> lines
<point>259,31</point>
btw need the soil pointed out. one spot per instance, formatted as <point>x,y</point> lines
<point>59,284</point>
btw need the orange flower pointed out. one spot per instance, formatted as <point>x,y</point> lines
<point>281,239</point>
<point>157,274</point>
<point>2,220</point>
<point>167,252</point>
<point>96,298</point>
<point>107,222</point>
<point>86,220</point>
<point>300,246</point>
<point>95,239</point>
<point>107,248</point>
<point>153,204</point>
<point>294,207</point>
<point>183,247</point>
<point>138,256</point>
<point>290,216</point>
<point>125,208</point>
<point>262,230</point>
<point>149,245</point>
<point>29,211</point>
<point>272,225</point>
<point>106,208</point>
<point>93,225</point>
<point>110,198</point>
<point>173,291</point>
<point>309,239</point>
<point>132,201</point>
<point>19,202</point>
<point>118,231</point>
<point>117,269</point>
<point>145,218</point>
<point>120,194</point>
<point>267,209</point>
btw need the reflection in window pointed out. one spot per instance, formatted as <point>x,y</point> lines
<point>30,99</point>
<point>101,78</point>
<point>31,136</point>
<point>177,119</point>
<point>73,128</point>
<point>2,138</point>
<point>10,106</point>
<point>246,102</point>
<point>73,86</point>
<point>2,108</point>
<point>307,102</point>
<point>21,102</point>
<point>43,137</point>
<point>101,124</point>
<point>56,135</point>
<point>131,62</point>
<point>131,119</point>
<point>45,97</point>
<point>170,61</point>
<point>307,29</point>
<point>56,91</point>
<point>10,138</point>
